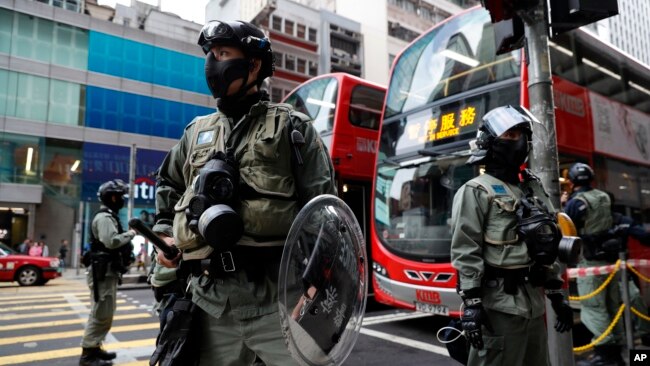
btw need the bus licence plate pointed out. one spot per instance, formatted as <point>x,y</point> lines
<point>431,308</point>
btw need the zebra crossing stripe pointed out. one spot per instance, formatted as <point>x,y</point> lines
<point>46,300</point>
<point>70,352</point>
<point>56,323</point>
<point>31,297</point>
<point>49,306</point>
<point>57,313</point>
<point>74,333</point>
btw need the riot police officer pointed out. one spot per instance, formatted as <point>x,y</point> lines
<point>230,190</point>
<point>504,246</point>
<point>110,254</point>
<point>590,210</point>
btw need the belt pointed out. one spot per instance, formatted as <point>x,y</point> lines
<point>511,277</point>
<point>253,260</point>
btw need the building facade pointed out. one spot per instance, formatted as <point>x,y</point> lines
<point>629,30</point>
<point>80,87</point>
<point>361,37</point>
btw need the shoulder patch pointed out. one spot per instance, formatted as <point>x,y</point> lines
<point>499,189</point>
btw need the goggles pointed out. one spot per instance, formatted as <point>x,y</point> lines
<point>216,31</point>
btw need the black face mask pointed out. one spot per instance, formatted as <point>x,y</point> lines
<point>117,205</point>
<point>220,74</point>
<point>510,153</point>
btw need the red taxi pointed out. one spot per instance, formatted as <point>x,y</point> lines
<point>26,270</point>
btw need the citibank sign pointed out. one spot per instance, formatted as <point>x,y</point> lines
<point>144,188</point>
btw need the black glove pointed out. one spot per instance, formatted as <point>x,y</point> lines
<point>562,310</point>
<point>473,317</point>
<point>172,346</point>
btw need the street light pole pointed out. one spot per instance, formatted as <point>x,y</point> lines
<point>543,157</point>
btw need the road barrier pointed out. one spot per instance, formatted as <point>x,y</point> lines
<point>612,270</point>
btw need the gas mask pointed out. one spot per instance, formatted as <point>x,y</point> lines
<point>220,74</point>
<point>539,230</point>
<point>210,213</point>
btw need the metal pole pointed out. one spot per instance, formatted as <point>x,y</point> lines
<point>131,181</point>
<point>77,239</point>
<point>629,330</point>
<point>543,158</point>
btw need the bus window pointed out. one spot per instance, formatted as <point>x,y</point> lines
<point>365,106</point>
<point>455,57</point>
<point>317,99</point>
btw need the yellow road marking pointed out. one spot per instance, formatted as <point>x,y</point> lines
<point>43,296</point>
<point>56,313</point>
<point>74,333</point>
<point>53,299</point>
<point>135,363</point>
<point>57,323</point>
<point>38,307</point>
<point>71,352</point>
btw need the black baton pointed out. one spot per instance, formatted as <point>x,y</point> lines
<point>170,251</point>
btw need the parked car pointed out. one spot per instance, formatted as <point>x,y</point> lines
<point>26,270</point>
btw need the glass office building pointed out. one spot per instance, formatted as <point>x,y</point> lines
<point>76,94</point>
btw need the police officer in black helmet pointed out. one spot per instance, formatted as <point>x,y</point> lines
<point>590,209</point>
<point>268,161</point>
<point>111,252</point>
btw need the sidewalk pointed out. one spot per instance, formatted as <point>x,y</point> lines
<point>130,280</point>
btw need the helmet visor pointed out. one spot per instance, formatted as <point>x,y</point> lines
<point>500,120</point>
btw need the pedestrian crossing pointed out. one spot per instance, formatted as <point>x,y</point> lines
<point>46,328</point>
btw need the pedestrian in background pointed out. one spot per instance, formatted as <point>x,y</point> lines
<point>63,252</point>
<point>23,248</point>
<point>36,250</point>
<point>45,250</point>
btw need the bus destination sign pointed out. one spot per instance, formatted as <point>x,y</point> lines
<point>445,125</point>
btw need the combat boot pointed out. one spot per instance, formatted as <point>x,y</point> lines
<point>90,357</point>
<point>101,353</point>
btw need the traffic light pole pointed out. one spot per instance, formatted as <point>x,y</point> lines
<point>543,158</point>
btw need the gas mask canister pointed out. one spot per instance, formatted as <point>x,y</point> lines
<point>210,213</point>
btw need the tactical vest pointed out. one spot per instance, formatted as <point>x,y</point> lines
<point>121,258</point>
<point>599,214</point>
<point>263,151</point>
<point>500,226</point>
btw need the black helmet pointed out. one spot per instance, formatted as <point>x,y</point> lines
<point>581,174</point>
<point>494,124</point>
<point>111,188</point>
<point>243,35</point>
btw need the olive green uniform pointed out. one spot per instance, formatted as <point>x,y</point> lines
<point>240,317</point>
<point>484,225</point>
<point>597,312</point>
<point>105,229</point>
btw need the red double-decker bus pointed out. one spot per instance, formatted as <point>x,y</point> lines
<point>346,111</point>
<point>440,87</point>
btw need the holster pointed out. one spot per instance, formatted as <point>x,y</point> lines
<point>98,267</point>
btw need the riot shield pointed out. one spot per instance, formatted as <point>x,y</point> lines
<point>323,283</point>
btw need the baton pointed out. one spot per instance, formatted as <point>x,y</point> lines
<point>170,251</point>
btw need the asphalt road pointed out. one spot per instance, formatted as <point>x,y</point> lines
<point>44,325</point>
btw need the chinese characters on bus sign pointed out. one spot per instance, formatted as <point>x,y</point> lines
<point>447,125</point>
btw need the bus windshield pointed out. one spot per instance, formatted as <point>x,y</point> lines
<point>413,204</point>
<point>454,57</point>
<point>317,99</point>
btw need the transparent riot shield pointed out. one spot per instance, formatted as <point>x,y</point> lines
<point>323,283</point>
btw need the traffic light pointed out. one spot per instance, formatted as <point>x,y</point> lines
<point>508,26</point>
<point>570,14</point>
